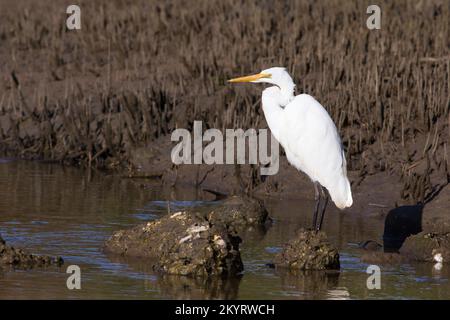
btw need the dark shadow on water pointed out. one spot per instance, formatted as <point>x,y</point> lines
<point>400,223</point>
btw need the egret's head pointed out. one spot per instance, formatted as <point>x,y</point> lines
<point>277,76</point>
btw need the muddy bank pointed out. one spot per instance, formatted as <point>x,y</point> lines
<point>436,213</point>
<point>21,259</point>
<point>92,99</point>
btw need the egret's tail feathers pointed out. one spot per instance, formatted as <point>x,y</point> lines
<point>342,194</point>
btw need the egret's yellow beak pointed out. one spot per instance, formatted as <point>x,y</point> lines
<point>251,78</point>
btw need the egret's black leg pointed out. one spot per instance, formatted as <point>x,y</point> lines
<point>316,209</point>
<point>322,212</point>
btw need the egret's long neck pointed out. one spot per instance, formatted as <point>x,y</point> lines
<point>286,94</point>
<point>272,99</point>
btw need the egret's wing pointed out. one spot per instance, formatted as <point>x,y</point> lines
<point>310,138</point>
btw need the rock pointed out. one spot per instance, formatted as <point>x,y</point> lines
<point>183,243</point>
<point>239,212</point>
<point>430,247</point>
<point>18,258</point>
<point>194,242</point>
<point>308,251</point>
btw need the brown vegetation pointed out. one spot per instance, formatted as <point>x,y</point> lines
<point>138,69</point>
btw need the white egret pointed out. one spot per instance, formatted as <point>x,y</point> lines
<point>308,135</point>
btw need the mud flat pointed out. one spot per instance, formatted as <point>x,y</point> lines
<point>21,259</point>
<point>66,102</point>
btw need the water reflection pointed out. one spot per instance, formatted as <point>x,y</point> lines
<point>178,287</point>
<point>309,284</point>
<point>182,287</point>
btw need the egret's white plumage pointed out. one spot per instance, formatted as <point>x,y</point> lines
<point>306,131</point>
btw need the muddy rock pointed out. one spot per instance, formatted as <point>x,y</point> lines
<point>429,247</point>
<point>182,243</point>
<point>18,258</point>
<point>239,212</point>
<point>308,251</point>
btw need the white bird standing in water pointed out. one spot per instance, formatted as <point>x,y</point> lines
<point>308,135</point>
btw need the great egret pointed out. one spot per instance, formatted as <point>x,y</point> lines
<point>308,135</point>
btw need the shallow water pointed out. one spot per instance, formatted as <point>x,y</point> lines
<point>55,210</point>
